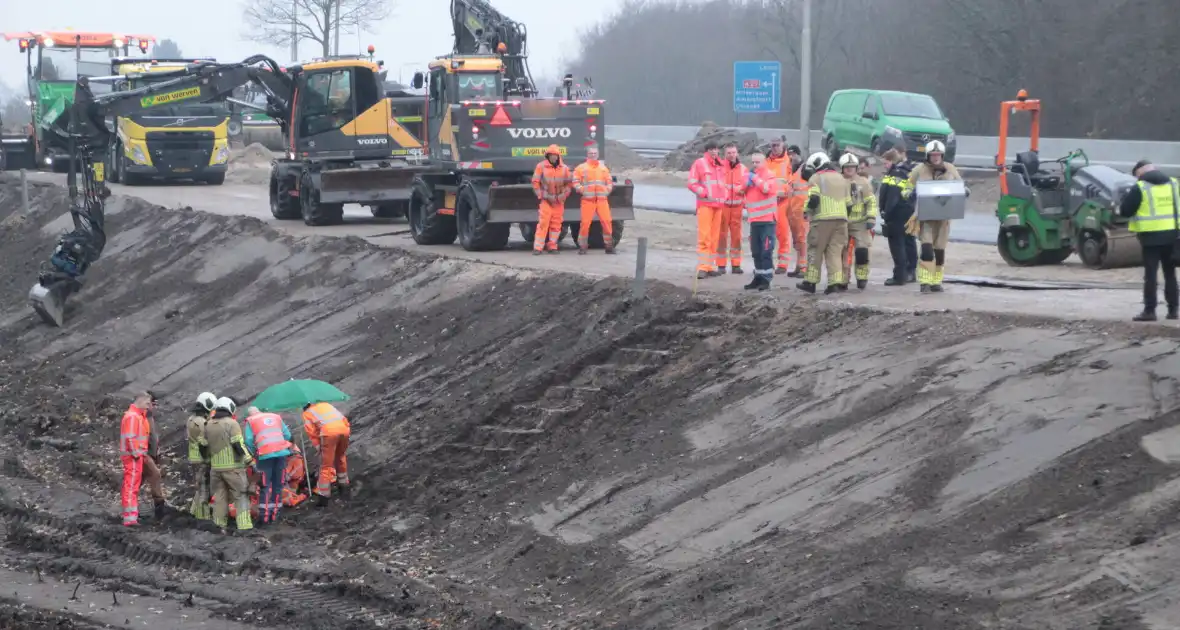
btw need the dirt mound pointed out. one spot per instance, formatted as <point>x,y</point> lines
<point>621,156</point>
<point>535,449</point>
<point>255,155</point>
<point>681,158</point>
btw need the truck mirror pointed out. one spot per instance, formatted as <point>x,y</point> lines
<point>418,81</point>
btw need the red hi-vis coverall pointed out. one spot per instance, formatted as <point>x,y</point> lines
<point>704,180</point>
<point>328,430</point>
<point>733,180</point>
<point>134,432</point>
<point>592,181</point>
<point>553,185</point>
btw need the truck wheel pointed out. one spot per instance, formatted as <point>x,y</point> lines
<point>427,226</point>
<point>528,231</point>
<point>216,179</point>
<point>283,206</point>
<point>475,233</point>
<point>391,210</point>
<point>127,179</point>
<point>596,240</point>
<point>314,212</point>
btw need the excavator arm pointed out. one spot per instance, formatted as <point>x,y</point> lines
<point>480,29</point>
<point>90,139</point>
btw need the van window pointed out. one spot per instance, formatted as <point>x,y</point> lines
<point>913,105</point>
<point>871,105</point>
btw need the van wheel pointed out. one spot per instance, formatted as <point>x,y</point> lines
<point>876,147</point>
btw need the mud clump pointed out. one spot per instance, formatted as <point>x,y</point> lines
<point>250,164</point>
<point>681,158</point>
<point>620,156</point>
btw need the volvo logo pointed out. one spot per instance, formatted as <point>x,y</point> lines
<point>545,132</point>
<point>372,141</point>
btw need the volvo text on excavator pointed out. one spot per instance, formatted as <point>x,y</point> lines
<point>486,128</point>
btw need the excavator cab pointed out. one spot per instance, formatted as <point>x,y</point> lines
<point>1050,209</point>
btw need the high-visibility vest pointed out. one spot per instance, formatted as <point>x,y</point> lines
<point>704,180</point>
<point>762,198</point>
<point>592,181</point>
<point>1157,208</point>
<point>733,180</point>
<point>834,195</point>
<point>552,182</point>
<point>134,431</point>
<point>324,419</point>
<point>268,434</point>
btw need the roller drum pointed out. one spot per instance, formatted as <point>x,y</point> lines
<point>1122,250</point>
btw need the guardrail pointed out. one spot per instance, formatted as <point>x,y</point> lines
<point>972,151</point>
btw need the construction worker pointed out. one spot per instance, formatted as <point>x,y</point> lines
<point>704,180</point>
<point>328,431</point>
<point>933,235</point>
<point>198,454</point>
<point>734,177</point>
<point>269,439</point>
<point>593,182</point>
<point>294,479</point>
<point>228,460</point>
<point>828,201</point>
<point>553,184</point>
<point>134,439</point>
<point>761,212</point>
<point>782,165</point>
<point>862,218</point>
<point>896,207</point>
<point>1152,207</point>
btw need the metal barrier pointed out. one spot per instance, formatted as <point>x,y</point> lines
<point>971,151</point>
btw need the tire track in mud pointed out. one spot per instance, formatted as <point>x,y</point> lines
<point>79,548</point>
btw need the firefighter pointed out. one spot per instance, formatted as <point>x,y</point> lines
<point>198,454</point>
<point>134,441</point>
<point>553,183</point>
<point>328,431</point>
<point>704,180</point>
<point>828,201</point>
<point>862,218</point>
<point>1151,207</point>
<point>734,176</point>
<point>933,235</point>
<point>593,182</point>
<point>269,440</point>
<point>228,460</point>
<point>896,208</point>
<point>761,211</point>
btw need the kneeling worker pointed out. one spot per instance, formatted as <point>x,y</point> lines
<point>828,201</point>
<point>328,431</point>
<point>228,459</point>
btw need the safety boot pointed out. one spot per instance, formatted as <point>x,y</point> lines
<point>754,284</point>
<point>894,282</point>
<point>161,508</point>
<point>831,288</point>
<point>925,289</point>
<point>551,251</point>
<point>715,273</point>
<point>936,288</point>
<point>344,490</point>
<point>321,501</point>
<point>799,272</point>
<point>780,271</point>
<point>701,275</point>
<point>842,287</point>
<point>610,248</point>
<point>806,286</point>
<point>536,252</point>
<point>583,250</point>
<point>861,284</point>
<point>1173,313</point>
<point>911,277</point>
<point>1145,316</point>
<point>736,270</point>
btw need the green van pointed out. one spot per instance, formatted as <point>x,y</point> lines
<point>877,120</point>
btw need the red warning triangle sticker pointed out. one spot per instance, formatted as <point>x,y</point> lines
<point>500,118</point>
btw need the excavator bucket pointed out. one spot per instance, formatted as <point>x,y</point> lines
<point>513,197</point>
<point>359,185</point>
<point>49,303</point>
<point>517,203</point>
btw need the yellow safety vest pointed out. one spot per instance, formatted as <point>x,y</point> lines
<point>834,196</point>
<point>1157,209</point>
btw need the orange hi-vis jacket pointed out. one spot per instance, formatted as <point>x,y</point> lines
<point>134,432</point>
<point>733,180</point>
<point>592,180</point>
<point>322,419</point>
<point>553,184</point>
<point>704,180</point>
<point>762,197</point>
<point>268,434</point>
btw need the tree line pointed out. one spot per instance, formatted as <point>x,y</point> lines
<point>1104,70</point>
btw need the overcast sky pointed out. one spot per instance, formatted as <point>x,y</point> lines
<point>417,31</point>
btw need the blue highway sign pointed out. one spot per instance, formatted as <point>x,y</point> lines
<point>757,87</point>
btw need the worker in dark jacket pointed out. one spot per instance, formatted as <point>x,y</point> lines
<point>897,206</point>
<point>1153,206</point>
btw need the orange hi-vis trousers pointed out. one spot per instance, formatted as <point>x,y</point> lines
<point>729,238</point>
<point>589,209</point>
<point>333,463</point>
<point>791,228</point>
<point>708,231</point>
<point>549,219</point>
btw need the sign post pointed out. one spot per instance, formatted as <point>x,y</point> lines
<point>757,87</point>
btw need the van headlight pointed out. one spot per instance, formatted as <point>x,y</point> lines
<point>893,131</point>
<point>221,156</point>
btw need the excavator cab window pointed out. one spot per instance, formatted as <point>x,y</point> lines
<point>328,101</point>
<point>480,86</point>
<point>369,89</point>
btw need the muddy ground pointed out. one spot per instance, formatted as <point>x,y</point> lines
<point>536,449</point>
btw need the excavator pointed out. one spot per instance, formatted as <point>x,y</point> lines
<point>335,118</point>
<point>486,128</point>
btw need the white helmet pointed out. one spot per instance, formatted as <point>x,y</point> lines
<point>818,160</point>
<point>935,146</point>
<point>207,400</point>
<point>848,159</point>
<point>225,404</point>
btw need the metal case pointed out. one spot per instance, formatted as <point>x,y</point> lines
<point>941,200</point>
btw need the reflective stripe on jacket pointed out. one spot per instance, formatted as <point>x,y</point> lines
<point>196,439</point>
<point>733,181</point>
<point>762,197</point>
<point>134,432</point>
<point>704,180</point>
<point>1158,207</point>
<point>552,183</point>
<point>834,196</point>
<point>592,181</point>
<point>227,449</point>
<point>790,184</point>
<point>322,419</point>
<point>267,436</point>
<point>864,204</point>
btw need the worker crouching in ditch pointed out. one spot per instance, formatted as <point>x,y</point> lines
<point>228,459</point>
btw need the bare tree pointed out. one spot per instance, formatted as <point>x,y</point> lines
<point>277,21</point>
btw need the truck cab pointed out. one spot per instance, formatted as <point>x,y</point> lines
<point>181,141</point>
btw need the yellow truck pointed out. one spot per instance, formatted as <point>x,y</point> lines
<point>184,141</point>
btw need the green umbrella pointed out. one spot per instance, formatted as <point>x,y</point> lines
<point>294,394</point>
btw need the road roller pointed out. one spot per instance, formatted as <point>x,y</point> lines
<point>1049,210</point>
